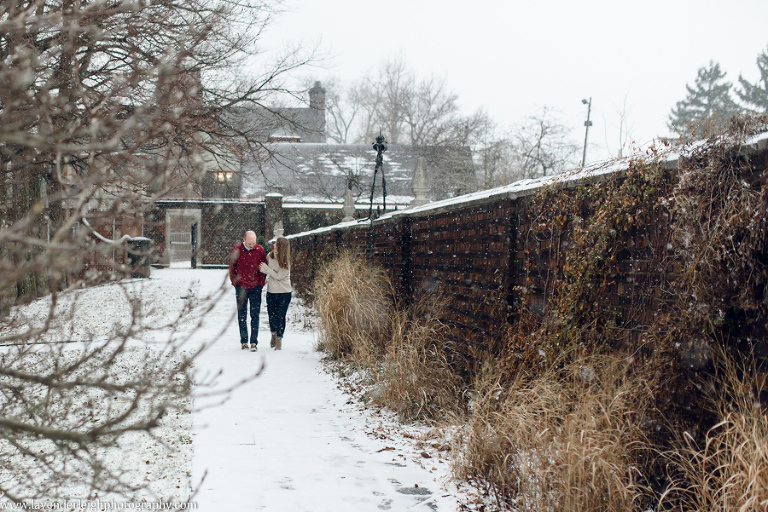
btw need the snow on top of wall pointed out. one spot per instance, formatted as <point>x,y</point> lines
<point>523,187</point>
<point>299,201</point>
<point>341,225</point>
<point>758,142</point>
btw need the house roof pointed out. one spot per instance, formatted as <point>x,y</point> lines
<point>321,172</point>
<point>307,125</point>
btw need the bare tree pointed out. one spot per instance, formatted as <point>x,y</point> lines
<point>423,112</point>
<point>431,113</point>
<point>105,106</point>
<point>493,156</point>
<point>540,146</point>
<point>537,147</point>
<point>623,131</point>
<point>385,98</point>
<point>405,108</point>
<point>343,109</point>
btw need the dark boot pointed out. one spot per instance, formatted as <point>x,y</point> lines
<point>273,340</point>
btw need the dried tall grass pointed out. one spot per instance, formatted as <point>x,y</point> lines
<point>418,382</point>
<point>562,441</point>
<point>401,350</point>
<point>728,469</point>
<point>354,303</point>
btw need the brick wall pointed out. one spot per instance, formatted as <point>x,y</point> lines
<point>635,283</point>
<point>463,252</point>
<point>479,256</point>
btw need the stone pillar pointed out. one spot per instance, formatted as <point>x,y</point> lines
<point>273,204</point>
<point>349,207</point>
<point>420,183</point>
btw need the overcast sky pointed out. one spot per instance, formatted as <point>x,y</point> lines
<point>512,58</point>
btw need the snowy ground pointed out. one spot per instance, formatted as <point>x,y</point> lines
<point>291,440</point>
<point>288,440</point>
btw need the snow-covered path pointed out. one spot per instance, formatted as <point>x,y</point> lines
<point>289,440</point>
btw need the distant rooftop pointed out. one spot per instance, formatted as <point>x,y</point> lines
<point>321,172</point>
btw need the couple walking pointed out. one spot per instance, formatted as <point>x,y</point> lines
<point>249,270</point>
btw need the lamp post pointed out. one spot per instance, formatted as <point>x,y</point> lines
<point>380,147</point>
<point>587,124</point>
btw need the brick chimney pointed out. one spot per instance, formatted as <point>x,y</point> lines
<point>317,97</point>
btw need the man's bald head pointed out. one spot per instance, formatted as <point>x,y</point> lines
<point>249,239</point>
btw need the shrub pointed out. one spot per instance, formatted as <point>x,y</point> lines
<point>417,380</point>
<point>401,350</point>
<point>353,302</point>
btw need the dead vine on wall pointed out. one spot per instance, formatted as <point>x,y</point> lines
<point>602,251</point>
<point>721,235</point>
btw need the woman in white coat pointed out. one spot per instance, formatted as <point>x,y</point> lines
<point>279,291</point>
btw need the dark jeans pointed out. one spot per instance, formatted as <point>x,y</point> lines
<point>277,307</point>
<point>246,296</point>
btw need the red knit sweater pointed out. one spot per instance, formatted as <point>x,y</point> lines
<point>244,266</point>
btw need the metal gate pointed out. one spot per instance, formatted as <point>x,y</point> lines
<point>180,237</point>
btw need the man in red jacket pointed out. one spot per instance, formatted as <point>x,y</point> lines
<point>244,261</point>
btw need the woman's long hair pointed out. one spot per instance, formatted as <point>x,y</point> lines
<point>283,247</point>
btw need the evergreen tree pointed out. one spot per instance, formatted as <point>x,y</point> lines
<point>707,107</point>
<point>756,95</point>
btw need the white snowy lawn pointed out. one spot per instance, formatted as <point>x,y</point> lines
<point>288,440</point>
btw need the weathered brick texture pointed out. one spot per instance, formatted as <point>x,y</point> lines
<point>462,253</point>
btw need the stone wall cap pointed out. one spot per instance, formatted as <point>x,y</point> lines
<point>362,223</point>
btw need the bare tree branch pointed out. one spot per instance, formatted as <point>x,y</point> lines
<point>105,107</point>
